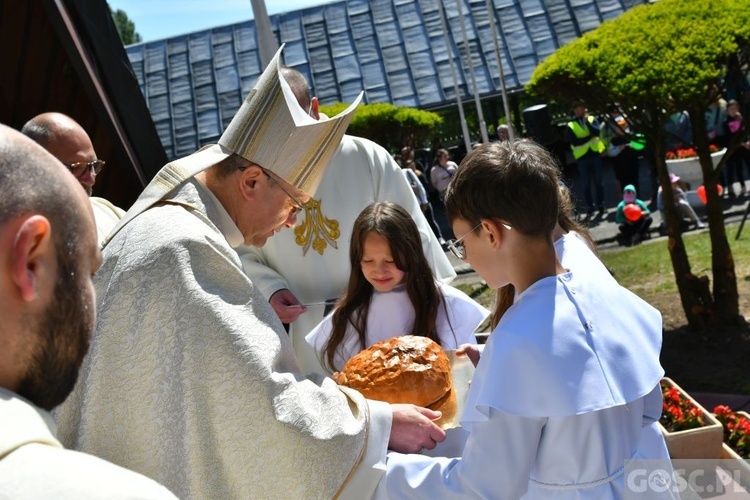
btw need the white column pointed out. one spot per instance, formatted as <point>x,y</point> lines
<point>464,127</point>
<point>496,40</point>
<point>267,45</point>
<point>477,102</point>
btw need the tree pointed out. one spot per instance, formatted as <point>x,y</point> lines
<point>654,60</point>
<point>387,124</point>
<point>125,27</point>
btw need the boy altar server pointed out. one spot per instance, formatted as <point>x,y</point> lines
<point>567,387</point>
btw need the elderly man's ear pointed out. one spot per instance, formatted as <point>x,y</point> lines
<point>315,108</point>
<point>249,179</point>
<point>33,258</point>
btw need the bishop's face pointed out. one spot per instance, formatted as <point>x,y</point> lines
<point>280,204</point>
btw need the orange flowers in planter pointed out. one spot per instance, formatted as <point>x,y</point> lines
<point>678,412</point>
<point>736,429</point>
<point>682,153</point>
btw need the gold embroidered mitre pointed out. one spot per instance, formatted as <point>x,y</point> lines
<point>273,131</point>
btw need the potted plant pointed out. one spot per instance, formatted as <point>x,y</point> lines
<point>736,429</point>
<point>736,439</point>
<point>689,430</point>
<point>685,163</point>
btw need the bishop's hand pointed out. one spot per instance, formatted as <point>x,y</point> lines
<point>414,429</point>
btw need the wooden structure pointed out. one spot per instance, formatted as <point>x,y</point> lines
<point>66,56</point>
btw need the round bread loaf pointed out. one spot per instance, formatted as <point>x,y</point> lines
<point>406,369</point>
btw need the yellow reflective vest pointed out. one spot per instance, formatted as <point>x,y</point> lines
<point>595,143</point>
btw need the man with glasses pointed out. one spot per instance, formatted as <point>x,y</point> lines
<point>302,272</point>
<point>192,379</point>
<point>66,140</point>
<point>49,253</point>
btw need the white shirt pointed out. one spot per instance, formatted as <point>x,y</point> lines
<point>33,463</point>
<point>392,314</point>
<point>564,393</point>
<point>312,260</point>
<point>106,216</point>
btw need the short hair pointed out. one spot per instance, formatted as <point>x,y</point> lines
<point>298,83</point>
<point>40,131</point>
<point>230,165</point>
<point>516,181</point>
<point>33,181</point>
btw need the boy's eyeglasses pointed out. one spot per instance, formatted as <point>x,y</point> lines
<point>457,246</point>
<point>81,167</point>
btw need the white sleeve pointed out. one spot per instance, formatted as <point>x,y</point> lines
<point>465,316</point>
<point>319,335</point>
<point>263,276</point>
<point>365,477</point>
<point>496,463</point>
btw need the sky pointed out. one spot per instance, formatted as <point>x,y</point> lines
<point>157,19</point>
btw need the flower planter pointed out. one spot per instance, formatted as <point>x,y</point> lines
<point>700,442</point>
<point>739,467</point>
<point>689,169</point>
<point>736,430</point>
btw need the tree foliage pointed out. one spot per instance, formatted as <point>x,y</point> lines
<point>125,27</point>
<point>654,60</point>
<point>387,124</point>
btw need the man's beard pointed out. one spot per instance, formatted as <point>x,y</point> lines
<point>62,338</point>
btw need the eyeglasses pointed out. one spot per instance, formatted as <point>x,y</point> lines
<point>457,247</point>
<point>81,167</point>
<point>297,206</point>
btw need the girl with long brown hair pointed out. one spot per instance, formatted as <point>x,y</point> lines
<point>392,292</point>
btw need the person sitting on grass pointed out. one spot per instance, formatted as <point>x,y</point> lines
<point>684,210</point>
<point>633,216</point>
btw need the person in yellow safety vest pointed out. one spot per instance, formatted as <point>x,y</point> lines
<point>582,133</point>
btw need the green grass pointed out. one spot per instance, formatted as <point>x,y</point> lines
<point>647,269</point>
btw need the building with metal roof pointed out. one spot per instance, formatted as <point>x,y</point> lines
<point>395,50</point>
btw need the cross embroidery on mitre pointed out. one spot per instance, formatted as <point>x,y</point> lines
<point>316,230</point>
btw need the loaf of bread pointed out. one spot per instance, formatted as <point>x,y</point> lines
<point>406,369</point>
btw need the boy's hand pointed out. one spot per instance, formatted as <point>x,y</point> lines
<point>470,350</point>
<point>413,429</point>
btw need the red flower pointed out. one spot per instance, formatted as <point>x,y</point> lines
<point>723,410</point>
<point>736,430</point>
<point>678,413</point>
